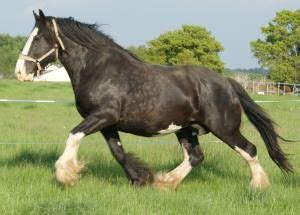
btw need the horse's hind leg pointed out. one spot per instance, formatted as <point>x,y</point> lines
<point>248,151</point>
<point>137,172</point>
<point>192,156</point>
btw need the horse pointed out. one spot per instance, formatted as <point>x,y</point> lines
<point>116,91</point>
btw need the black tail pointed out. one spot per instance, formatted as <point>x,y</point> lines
<point>264,125</point>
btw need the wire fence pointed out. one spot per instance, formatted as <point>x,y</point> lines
<point>262,87</point>
<point>72,102</point>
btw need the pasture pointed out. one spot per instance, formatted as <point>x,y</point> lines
<point>32,137</point>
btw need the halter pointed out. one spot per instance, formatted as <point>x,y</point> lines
<point>55,49</point>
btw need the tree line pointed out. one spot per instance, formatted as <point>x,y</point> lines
<point>191,44</point>
<point>278,52</point>
<point>10,48</point>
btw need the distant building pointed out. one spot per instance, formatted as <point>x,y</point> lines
<point>54,74</point>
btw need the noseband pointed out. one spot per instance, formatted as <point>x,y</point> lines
<point>55,49</point>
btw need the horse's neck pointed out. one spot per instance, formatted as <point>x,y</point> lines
<point>74,61</point>
<point>75,58</point>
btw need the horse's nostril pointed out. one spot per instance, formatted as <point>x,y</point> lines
<point>19,75</point>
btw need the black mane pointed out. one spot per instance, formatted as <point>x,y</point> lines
<point>88,35</point>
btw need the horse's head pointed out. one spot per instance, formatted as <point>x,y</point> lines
<point>40,49</point>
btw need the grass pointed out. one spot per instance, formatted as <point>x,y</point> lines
<point>35,134</point>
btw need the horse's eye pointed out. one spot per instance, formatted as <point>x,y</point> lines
<point>36,38</point>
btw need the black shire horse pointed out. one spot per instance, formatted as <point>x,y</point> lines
<point>115,91</point>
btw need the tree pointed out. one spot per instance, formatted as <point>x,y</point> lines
<point>279,51</point>
<point>10,48</point>
<point>190,45</point>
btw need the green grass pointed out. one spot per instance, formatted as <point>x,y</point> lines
<point>35,136</point>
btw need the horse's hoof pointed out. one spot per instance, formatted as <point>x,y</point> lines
<point>165,181</point>
<point>67,173</point>
<point>260,181</point>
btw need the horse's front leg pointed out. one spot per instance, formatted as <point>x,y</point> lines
<point>137,172</point>
<point>67,166</point>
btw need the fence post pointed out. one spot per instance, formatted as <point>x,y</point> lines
<point>257,87</point>
<point>278,84</point>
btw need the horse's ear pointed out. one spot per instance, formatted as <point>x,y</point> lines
<point>42,15</point>
<point>36,17</point>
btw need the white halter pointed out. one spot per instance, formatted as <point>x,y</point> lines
<point>38,61</point>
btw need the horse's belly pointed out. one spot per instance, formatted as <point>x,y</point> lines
<point>148,130</point>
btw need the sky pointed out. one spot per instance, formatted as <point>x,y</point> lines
<point>234,23</point>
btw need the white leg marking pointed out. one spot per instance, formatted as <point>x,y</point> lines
<point>171,129</point>
<point>20,69</point>
<point>173,178</point>
<point>259,177</point>
<point>67,166</point>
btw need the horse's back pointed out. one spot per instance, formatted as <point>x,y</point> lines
<point>214,101</point>
<point>181,95</point>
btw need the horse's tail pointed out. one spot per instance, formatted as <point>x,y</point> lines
<point>264,124</point>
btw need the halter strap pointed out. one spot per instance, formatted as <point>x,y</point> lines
<point>38,61</point>
<point>54,49</point>
<point>57,35</point>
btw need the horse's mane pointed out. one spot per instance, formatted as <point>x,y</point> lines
<point>88,35</point>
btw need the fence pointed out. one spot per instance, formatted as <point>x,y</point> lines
<point>270,88</point>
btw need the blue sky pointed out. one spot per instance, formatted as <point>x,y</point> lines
<point>133,22</point>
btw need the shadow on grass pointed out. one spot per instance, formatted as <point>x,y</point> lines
<point>103,170</point>
<point>208,170</point>
<point>109,170</point>
<point>291,180</point>
<point>31,158</point>
<point>211,169</point>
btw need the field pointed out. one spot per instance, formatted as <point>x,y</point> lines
<point>32,137</point>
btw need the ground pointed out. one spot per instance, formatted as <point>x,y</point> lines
<point>32,137</point>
